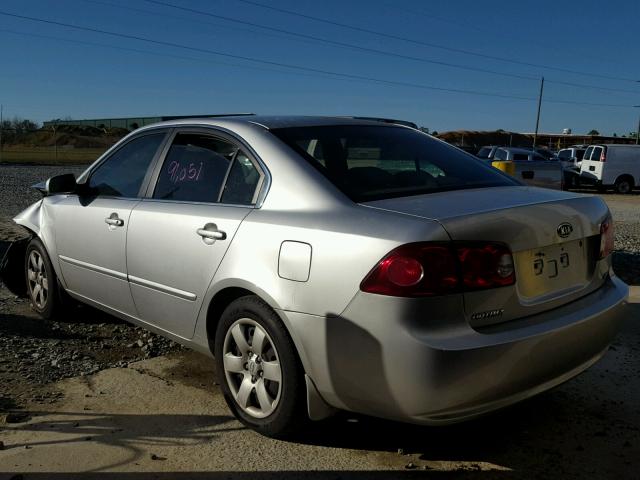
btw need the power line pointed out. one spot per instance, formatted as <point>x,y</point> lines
<point>377,51</point>
<point>149,52</point>
<point>370,50</point>
<point>336,43</point>
<point>191,19</point>
<point>285,65</point>
<point>434,45</point>
<point>257,60</point>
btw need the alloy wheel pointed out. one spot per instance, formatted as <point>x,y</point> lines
<point>252,368</point>
<point>37,280</point>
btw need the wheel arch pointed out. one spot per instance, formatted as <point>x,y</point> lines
<point>232,290</point>
<point>317,407</point>
<point>626,176</point>
<point>37,219</point>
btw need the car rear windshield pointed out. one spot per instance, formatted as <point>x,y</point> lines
<point>377,162</point>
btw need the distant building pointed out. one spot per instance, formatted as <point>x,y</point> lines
<point>556,141</point>
<point>130,123</point>
<point>474,139</point>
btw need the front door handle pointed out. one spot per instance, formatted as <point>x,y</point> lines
<point>113,220</point>
<point>210,233</point>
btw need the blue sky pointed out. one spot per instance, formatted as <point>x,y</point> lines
<point>51,71</point>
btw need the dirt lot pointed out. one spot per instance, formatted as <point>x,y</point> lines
<point>92,394</point>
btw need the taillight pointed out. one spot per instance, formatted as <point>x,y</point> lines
<point>606,237</point>
<point>486,266</point>
<point>414,270</point>
<point>603,156</point>
<point>429,269</point>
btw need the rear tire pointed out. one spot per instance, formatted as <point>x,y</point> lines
<point>624,185</point>
<point>42,283</point>
<point>260,373</point>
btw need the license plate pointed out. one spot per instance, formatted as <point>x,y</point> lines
<point>551,269</point>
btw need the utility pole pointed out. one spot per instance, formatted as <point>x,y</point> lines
<point>535,135</point>
<point>638,131</point>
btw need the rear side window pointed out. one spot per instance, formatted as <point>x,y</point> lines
<point>122,174</point>
<point>198,165</point>
<point>520,156</point>
<point>565,154</point>
<point>579,154</point>
<point>376,162</point>
<point>242,182</point>
<point>195,168</point>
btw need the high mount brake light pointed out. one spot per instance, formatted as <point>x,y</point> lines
<point>432,268</point>
<point>606,237</point>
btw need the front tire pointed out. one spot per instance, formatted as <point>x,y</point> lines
<point>42,282</point>
<point>260,373</point>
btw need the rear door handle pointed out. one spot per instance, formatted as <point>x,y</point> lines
<point>113,220</point>
<point>210,233</point>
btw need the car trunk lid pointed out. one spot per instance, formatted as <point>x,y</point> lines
<point>554,237</point>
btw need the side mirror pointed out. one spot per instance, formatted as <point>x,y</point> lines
<point>65,183</point>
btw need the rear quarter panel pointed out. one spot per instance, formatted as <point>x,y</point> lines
<point>346,244</point>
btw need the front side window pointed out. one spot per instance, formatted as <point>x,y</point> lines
<point>375,162</point>
<point>122,174</point>
<point>565,154</point>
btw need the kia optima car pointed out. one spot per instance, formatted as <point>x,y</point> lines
<point>333,264</point>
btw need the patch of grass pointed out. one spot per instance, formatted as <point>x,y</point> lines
<point>48,156</point>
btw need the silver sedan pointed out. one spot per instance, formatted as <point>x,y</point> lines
<point>333,264</point>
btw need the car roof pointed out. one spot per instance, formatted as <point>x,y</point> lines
<point>518,150</point>
<point>278,121</point>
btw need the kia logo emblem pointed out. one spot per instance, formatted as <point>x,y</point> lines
<point>564,229</point>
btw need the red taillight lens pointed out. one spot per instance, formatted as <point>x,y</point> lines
<point>428,269</point>
<point>414,270</point>
<point>606,237</point>
<point>603,156</point>
<point>486,266</point>
<point>404,271</point>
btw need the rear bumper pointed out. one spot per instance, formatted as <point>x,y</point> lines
<point>387,358</point>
